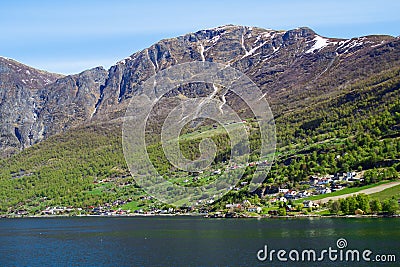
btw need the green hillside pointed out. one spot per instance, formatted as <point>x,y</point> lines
<point>358,129</point>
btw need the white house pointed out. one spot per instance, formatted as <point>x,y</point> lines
<point>303,194</point>
<point>324,190</point>
<point>233,206</point>
<point>216,172</point>
<point>283,199</point>
<point>310,204</point>
<point>254,209</point>
<point>324,180</point>
<point>291,194</point>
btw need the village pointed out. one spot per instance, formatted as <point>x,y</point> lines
<point>274,202</point>
<point>290,200</point>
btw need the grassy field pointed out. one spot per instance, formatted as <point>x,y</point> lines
<point>134,205</point>
<point>349,190</point>
<point>387,193</point>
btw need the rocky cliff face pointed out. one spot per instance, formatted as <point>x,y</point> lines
<point>19,85</point>
<point>292,68</point>
<point>68,102</point>
<point>35,104</point>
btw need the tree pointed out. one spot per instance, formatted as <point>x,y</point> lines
<point>392,173</point>
<point>344,206</point>
<point>352,205</point>
<point>299,207</point>
<point>390,206</point>
<point>363,202</point>
<point>376,205</point>
<point>334,207</point>
<point>282,212</point>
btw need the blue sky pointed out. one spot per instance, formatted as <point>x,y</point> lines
<point>71,36</point>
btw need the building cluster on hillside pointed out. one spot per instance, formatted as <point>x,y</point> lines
<point>59,210</point>
<point>244,206</point>
<point>318,185</point>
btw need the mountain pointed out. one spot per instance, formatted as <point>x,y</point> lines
<point>335,102</point>
<point>291,67</point>
<point>20,86</point>
<point>35,104</point>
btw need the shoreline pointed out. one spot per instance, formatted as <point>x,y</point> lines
<point>240,216</point>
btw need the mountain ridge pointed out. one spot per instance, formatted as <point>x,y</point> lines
<point>289,67</point>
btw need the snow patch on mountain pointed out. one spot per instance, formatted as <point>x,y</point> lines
<point>202,53</point>
<point>378,44</point>
<point>252,50</point>
<point>215,39</point>
<point>320,43</point>
<point>346,46</point>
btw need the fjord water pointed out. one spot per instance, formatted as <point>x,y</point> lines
<point>184,241</point>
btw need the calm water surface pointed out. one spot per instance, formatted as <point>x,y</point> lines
<point>185,241</point>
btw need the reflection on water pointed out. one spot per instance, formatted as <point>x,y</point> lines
<point>181,241</point>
